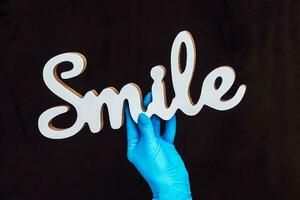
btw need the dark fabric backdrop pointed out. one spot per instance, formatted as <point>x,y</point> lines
<point>248,152</point>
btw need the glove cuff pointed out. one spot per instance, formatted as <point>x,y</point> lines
<point>175,195</point>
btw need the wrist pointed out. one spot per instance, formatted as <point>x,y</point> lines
<point>175,195</point>
<point>173,192</point>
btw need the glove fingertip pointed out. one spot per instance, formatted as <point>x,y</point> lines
<point>143,120</point>
<point>147,99</point>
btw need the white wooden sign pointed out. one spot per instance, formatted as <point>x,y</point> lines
<point>89,106</point>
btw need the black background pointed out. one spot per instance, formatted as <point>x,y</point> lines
<point>248,152</point>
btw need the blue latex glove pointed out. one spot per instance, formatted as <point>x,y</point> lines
<point>155,156</point>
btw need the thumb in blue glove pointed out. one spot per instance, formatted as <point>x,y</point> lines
<point>155,156</point>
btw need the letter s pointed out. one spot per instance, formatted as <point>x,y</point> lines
<point>58,87</point>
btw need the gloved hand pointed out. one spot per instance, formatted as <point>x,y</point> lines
<point>155,156</point>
